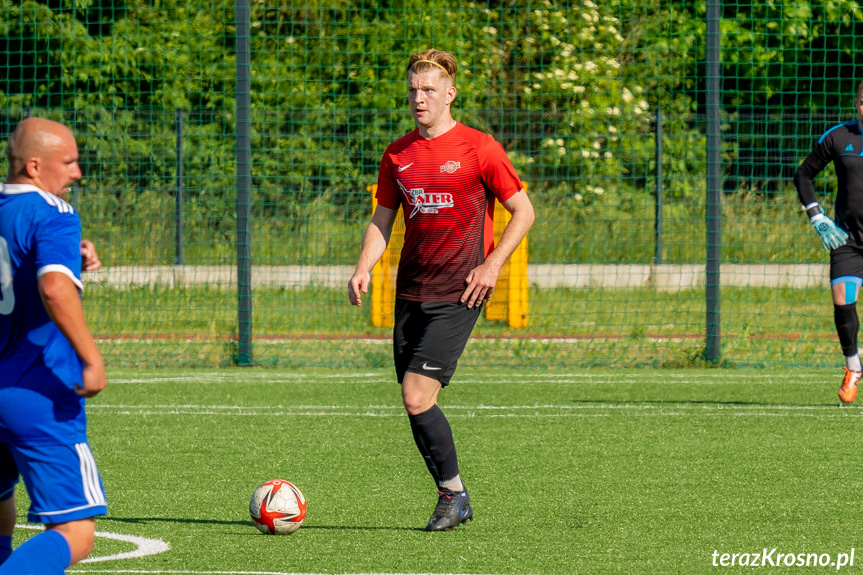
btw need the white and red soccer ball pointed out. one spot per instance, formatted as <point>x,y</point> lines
<point>277,507</point>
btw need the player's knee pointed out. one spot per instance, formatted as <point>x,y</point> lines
<point>80,535</point>
<point>416,403</point>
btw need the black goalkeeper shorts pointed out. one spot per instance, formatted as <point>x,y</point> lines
<point>429,337</point>
<point>846,261</point>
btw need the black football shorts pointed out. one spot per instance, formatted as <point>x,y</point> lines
<point>429,337</point>
<point>846,261</point>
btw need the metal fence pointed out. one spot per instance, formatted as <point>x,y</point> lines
<point>227,152</point>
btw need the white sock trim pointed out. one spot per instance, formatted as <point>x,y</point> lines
<point>453,484</point>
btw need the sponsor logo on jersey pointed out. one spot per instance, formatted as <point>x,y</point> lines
<point>403,168</point>
<point>425,202</point>
<point>450,167</point>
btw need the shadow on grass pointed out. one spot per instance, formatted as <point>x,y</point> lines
<point>306,527</point>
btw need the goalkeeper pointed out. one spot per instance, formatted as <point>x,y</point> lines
<point>842,145</point>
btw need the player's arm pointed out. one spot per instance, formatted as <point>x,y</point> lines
<point>481,280</point>
<point>804,180</point>
<point>375,241</point>
<point>63,304</point>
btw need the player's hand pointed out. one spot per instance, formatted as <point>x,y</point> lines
<point>831,235</point>
<point>89,258</point>
<point>358,284</point>
<point>93,380</point>
<point>480,284</point>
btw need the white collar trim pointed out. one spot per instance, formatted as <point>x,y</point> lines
<point>17,188</point>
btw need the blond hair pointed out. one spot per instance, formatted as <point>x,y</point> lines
<point>431,60</point>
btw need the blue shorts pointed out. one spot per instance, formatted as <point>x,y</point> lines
<point>62,481</point>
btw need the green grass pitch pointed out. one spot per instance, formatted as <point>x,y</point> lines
<point>588,471</point>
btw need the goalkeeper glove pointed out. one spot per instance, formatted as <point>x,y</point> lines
<point>831,235</point>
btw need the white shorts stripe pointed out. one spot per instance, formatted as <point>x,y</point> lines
<point>85,473</point>
<point>70,510</point>
<point>90,475</point>
<point>93,478</point>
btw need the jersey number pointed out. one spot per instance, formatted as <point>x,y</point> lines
<point>7,293</point>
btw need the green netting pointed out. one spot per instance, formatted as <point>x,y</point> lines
<point>573,91</point>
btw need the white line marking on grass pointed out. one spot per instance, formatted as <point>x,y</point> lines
<point>694,378</point>
<point>495,411</point>
<point>252,377</point>
<point>144,545</point>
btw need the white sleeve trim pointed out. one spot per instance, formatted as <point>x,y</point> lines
<point>63,270</point>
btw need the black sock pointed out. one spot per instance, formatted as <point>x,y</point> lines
<point>434,439</point>
<point>421,445</point>
<point>847,325</point>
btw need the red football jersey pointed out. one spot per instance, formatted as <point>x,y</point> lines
<point>447,188</point>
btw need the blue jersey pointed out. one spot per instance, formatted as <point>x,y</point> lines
<point>39,233</point>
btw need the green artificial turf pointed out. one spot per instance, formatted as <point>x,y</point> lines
<point>582,471</point>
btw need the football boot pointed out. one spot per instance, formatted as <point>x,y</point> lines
<point>848,389</point>
<point>453,508</point>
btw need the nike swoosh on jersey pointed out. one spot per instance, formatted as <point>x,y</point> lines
<point>403,168</point>
<point>427,368</point>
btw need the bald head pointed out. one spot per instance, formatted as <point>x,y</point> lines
<point>43,153</point>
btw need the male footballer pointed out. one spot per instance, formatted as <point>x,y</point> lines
<point>842,145</point>
<point>446,177</point>
<point>48,359</point>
